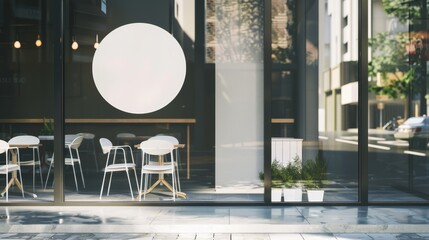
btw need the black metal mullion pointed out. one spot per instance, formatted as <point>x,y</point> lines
<point>58,36</point>
<point>267,101</point>
<point>363,103</point>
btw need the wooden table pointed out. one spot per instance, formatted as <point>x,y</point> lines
<point>14,180</point>
<point>161,180</point>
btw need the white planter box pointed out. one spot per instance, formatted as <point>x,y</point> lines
<point>292,194</point>
<point>315,195</point>
<point>276,194</point>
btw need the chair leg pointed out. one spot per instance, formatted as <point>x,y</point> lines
<point>141,185</point>
<point>7,190</point>
<point>145,186</point>
<point>174,187</point>
<point>49,171</point>
<point>177,170</point>
<point>81,174</point>
<point>74,174</point>
<point>129,183</point>
<point>102,185</point>
<point>41,176</point>
<point>110,182</point>
<point>137,182</point>
<point>80,166</point>
<point>22,184</point>
<point>34,176</point>
<point>111,173</point>
<point>40,167</point>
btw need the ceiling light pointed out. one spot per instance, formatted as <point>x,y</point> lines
<point>17,44</point>
<point>38,41</point>
<point>96,44</point>
<point>74,45</point>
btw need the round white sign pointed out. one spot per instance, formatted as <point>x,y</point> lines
<point>139,68</point>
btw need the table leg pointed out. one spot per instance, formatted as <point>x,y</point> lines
<point>11,182</point>
<point>14,179</point>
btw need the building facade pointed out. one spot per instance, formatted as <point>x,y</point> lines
<point>270,101</point>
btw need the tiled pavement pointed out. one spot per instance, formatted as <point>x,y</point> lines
<point>302,222</point>
<point>217,236</point>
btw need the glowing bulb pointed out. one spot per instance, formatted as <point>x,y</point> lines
<point>38,41</point>
<point>74,45</point>
<point>17,44</point>
<point>96,44</point>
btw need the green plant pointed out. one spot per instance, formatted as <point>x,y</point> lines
<point>291,174</point>
<point>48,127</point>
<point>314,173</point>
<point>285,176</point>
<point>392,66</point>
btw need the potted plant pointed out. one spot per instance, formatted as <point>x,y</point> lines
<point>291,176</point>
<point>314,174</point>
<point>276,181</point>
<point>48,127</point>
<point>285,181</point>
<point>47,131</point>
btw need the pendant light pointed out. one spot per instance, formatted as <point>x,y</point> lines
<point>17,44</point>
<point>74,45</point>
<point>96,44</point>
<point>38,41</point>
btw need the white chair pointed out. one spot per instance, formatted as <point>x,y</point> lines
<point>175,142</point>
<point>115,166</point>
<point>9,167</point>
<point>68,138</point>
<point>157,148</point>
<point>35,158</point>
<point>71,160</point>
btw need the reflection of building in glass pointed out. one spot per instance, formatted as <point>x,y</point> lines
<point>338,66</point>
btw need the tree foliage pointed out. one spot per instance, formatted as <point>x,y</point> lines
<point>395,57</point>
<point>404,10</point>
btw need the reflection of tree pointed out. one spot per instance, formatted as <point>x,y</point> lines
<point>283,30</point>
<point>390,64</point>
<point>396,56</point>
<point>239,30</point>
<point>402,9</point>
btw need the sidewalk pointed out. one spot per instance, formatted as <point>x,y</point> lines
<point>214,222</point>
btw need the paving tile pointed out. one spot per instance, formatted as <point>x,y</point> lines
<point>166,236</point>
<point>17,236</point>
<point>186,236</point>
<point>383,236</point>
<point>222,236</point>
<point>318,236</point>
<point>250,236</point>
<point>281,236</point>
<point>352,236</point>
<point>205,235</point>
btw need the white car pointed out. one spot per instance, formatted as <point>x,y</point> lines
<point>414,127</point>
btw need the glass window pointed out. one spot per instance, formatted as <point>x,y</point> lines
<point>218,128</point>
<point>314,102</point>
<point>398,170</point>
<point>27,96</point>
